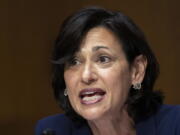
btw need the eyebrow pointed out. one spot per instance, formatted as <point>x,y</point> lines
<point>96,48</point>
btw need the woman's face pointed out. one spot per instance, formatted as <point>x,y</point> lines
<point>98,78</point>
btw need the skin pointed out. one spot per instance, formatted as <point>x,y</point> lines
<point>101,63</point>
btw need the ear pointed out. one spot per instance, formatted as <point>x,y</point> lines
<point>138,69</point>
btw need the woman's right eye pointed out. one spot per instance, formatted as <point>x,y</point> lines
<point>74,61</point>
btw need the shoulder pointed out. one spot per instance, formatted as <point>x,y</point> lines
<point>57,123</point>
<point>166,121</point>
<point>168,112</point>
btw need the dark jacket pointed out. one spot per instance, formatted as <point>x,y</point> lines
<point>165,122</point>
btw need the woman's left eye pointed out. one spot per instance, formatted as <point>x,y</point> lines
<point>104,59</point>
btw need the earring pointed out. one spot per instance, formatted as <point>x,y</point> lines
<point>137,86</point>
<point>65,92</point>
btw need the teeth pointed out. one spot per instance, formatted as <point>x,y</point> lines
<point>95,97</point>
<point>89,92</point>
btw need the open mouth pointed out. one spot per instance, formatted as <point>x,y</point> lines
<point>91,95</point>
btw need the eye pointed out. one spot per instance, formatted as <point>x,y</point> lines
<point>74,61</point>
<point>104,59</point>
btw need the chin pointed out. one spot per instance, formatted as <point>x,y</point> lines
<point>92,113</point>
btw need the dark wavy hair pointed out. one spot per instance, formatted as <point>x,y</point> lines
<point>141,103</point>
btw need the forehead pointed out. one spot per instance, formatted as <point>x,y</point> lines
<point>98,38</point>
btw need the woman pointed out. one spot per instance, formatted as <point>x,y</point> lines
<point>103,78</point>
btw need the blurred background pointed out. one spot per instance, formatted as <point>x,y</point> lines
<point>28,29</point>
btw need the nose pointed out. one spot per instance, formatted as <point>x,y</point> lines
<point>88,74</point>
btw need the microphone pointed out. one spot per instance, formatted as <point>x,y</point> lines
<point>48,131</point>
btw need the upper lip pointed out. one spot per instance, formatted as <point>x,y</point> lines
<point>91,91</point>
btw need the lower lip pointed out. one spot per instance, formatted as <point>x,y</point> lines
<point>92,101</point>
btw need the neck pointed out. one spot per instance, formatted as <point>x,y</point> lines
<point>120,124</point>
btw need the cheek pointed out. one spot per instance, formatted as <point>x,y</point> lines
<point>118,83</point>
<point>69,78</point>
<point>71,82</point>
<point>116,76</point>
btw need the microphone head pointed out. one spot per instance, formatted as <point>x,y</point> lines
<point>48,131</point>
